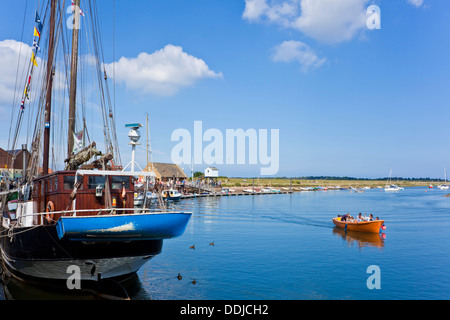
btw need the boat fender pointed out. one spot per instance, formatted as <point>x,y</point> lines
<point>50,208</point>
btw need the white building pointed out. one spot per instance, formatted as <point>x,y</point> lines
<point>211,172</point>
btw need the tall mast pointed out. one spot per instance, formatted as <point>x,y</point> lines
<point>48,98</point>
<point>147,136</point>
<point>73,76</point>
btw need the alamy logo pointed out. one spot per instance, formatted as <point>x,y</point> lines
<point>232,150</point>
<point>374,281</point>
<point>74,21</point>
<point>74,280</point>
<point>374,19</point>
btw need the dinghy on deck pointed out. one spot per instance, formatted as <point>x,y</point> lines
<point>124,227</point>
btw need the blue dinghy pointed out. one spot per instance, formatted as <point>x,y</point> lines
<point>125,227</point>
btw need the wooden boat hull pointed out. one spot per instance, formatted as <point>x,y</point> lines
<point>38,253</point>
<point>367,226</point>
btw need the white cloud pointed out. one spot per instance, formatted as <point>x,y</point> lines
<point>15,59</point>
<point>281,12</point>
<point>15,63</point>
<point>332,21</point>
<point>328,21</point>
<point>10,53</point>
<point>254,9</point>
<point>163,72</point>
<point>416,3</point>
<point>297,51</point>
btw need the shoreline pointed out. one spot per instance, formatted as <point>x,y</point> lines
<point>304,183</point>
<point>228,190</point>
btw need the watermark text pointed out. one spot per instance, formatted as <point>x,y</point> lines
<point>235,147</point>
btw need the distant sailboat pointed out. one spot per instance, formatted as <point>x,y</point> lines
<point>391,187</point>
<point>445,185</point>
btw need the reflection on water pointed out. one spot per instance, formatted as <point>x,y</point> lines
<point>12,288</point>
<point>361,239</point>
<point>2,291</point>
<point>286,247</point>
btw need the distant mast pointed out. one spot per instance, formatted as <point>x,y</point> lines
<point>48,97</point>
<point>73,76</point>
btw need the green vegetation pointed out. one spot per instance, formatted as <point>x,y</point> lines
<point>198,174</point>
<point>343,182</point>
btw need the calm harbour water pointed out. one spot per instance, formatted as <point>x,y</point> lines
<point>285,247</point>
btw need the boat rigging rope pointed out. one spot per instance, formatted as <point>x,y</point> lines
<point>17,75</point>
<point>57,244</point>
<point>11,233</point>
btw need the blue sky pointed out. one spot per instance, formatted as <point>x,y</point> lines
<point>348,101</point>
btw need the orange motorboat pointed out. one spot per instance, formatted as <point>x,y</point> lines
<point>365,226</point>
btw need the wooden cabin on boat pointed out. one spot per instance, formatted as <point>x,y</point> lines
<point>70,191</point>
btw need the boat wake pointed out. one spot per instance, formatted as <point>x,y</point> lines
<point>300,221</point>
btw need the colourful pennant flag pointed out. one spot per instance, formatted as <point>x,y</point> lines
<point>36,32</point>
<point>33,59</point>
<point>73,9</point>
<point>25,92</point>
<point>36,47</point>
<point>38,21</point>
<point>77,141</point>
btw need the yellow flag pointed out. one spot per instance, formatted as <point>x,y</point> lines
<point>25,92</point>
<point>36,32</point>
<point>33,59</point>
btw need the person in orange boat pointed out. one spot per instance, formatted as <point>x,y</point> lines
<point>359,218</point>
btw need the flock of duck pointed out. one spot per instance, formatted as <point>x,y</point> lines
<point>179,276</point>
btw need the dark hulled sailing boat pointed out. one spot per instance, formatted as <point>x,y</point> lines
<point>83,215</point>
